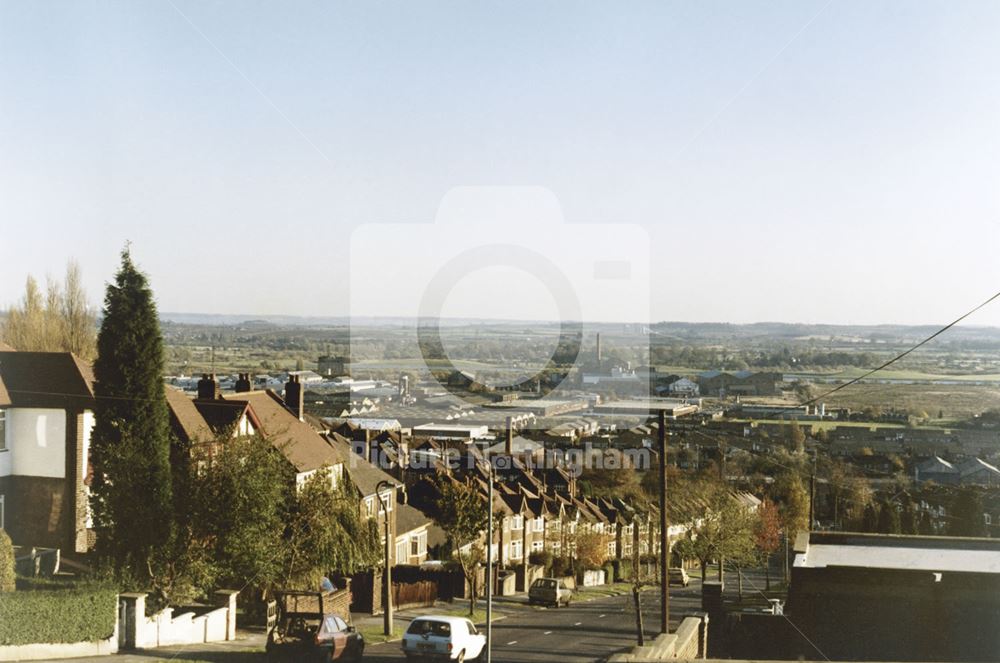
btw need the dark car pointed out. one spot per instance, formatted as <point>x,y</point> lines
<point>303,633</point>
<point>550,591</point>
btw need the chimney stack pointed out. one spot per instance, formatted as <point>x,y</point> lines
<point>293,396</point>
<point>208,387</point>
<point>509,447</point>
<point>243,383</point>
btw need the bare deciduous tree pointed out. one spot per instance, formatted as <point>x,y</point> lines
<point>59,321</point>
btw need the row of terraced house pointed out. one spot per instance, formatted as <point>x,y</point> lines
<point>540,506</point>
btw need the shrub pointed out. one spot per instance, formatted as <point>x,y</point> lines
<point>7,576</point>
<point>541,558</point>
<point>562,566</point>
<point>82,614</point>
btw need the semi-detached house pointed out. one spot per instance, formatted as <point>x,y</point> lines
<point>46,418</point>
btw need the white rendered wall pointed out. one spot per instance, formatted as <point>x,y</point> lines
<point>37,441</point>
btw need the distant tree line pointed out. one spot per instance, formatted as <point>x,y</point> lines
<point>735,360</point>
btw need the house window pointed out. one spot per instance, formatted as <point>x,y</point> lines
<point>401,556</point>
<point>3,430</point>
<point>517,523</point>
<point>418,545</point>
<point>612,548</point>
<point>516,551</point>
<point>2,505</point>
<point>539,525</point>
<point>537,546</point>
<point>988,518</point>
<point>385,497</point>
<point>369,506</point>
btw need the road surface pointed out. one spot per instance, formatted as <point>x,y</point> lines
<point>586,631</point>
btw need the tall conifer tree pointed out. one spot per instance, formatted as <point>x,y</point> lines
<point>131,489</point>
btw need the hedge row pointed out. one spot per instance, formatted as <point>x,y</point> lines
<point>84,614</point>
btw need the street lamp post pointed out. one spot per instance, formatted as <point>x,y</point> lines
<point>664,530</point>
<point>387,575</point>
<point>489,564</point>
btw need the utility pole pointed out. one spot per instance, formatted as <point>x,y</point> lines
<point>812,494</point>
<point>489,564</point>
<point>664,532</point>
<point>387,574</point>
<point>637,584</point>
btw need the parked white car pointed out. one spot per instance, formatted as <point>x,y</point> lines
<point>447,638</point>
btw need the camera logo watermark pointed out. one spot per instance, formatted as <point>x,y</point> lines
<point>404,277</point>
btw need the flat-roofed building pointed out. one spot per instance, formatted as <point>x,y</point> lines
<point>672,408</point>
<point>895,598</point>
<point>451,431</point>
<point>542,407</point>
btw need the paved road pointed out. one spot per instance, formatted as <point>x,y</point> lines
<point>586,631</point>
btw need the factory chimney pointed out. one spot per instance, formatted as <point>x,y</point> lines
<point>509,447</point>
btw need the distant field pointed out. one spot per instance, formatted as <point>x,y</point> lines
<point>822,425</point>
<point>954,401</point>
<point>890,374</point>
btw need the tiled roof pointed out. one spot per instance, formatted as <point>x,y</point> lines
<point>46,379</point>
<point>304,448</point>
<point>410,518</point>
<point>188,421</point>
<point>363,474</point>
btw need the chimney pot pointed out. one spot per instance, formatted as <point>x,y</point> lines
<point>243,383</point>
<point>208,388</point>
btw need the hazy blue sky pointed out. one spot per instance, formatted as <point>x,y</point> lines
<point>799,161</point>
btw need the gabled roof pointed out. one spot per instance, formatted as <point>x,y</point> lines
<point>515,502</point>
<point>222,415</point>
<point>410,519</point>
<point>304,448</point>
<point>188,422</point>
<point>976,465</point>
<point>364,475</point>
<point>519,444</point>
<point>45,379</point>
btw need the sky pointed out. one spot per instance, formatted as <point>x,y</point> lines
<point>792,161</point>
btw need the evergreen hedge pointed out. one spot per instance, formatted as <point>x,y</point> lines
<point>7,575</point>
<point>83,614</point>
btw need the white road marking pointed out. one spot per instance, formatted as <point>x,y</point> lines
<point>547,633</point>
<point>512,642</point>
<point>602,616</point>
<point>577,624</point>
